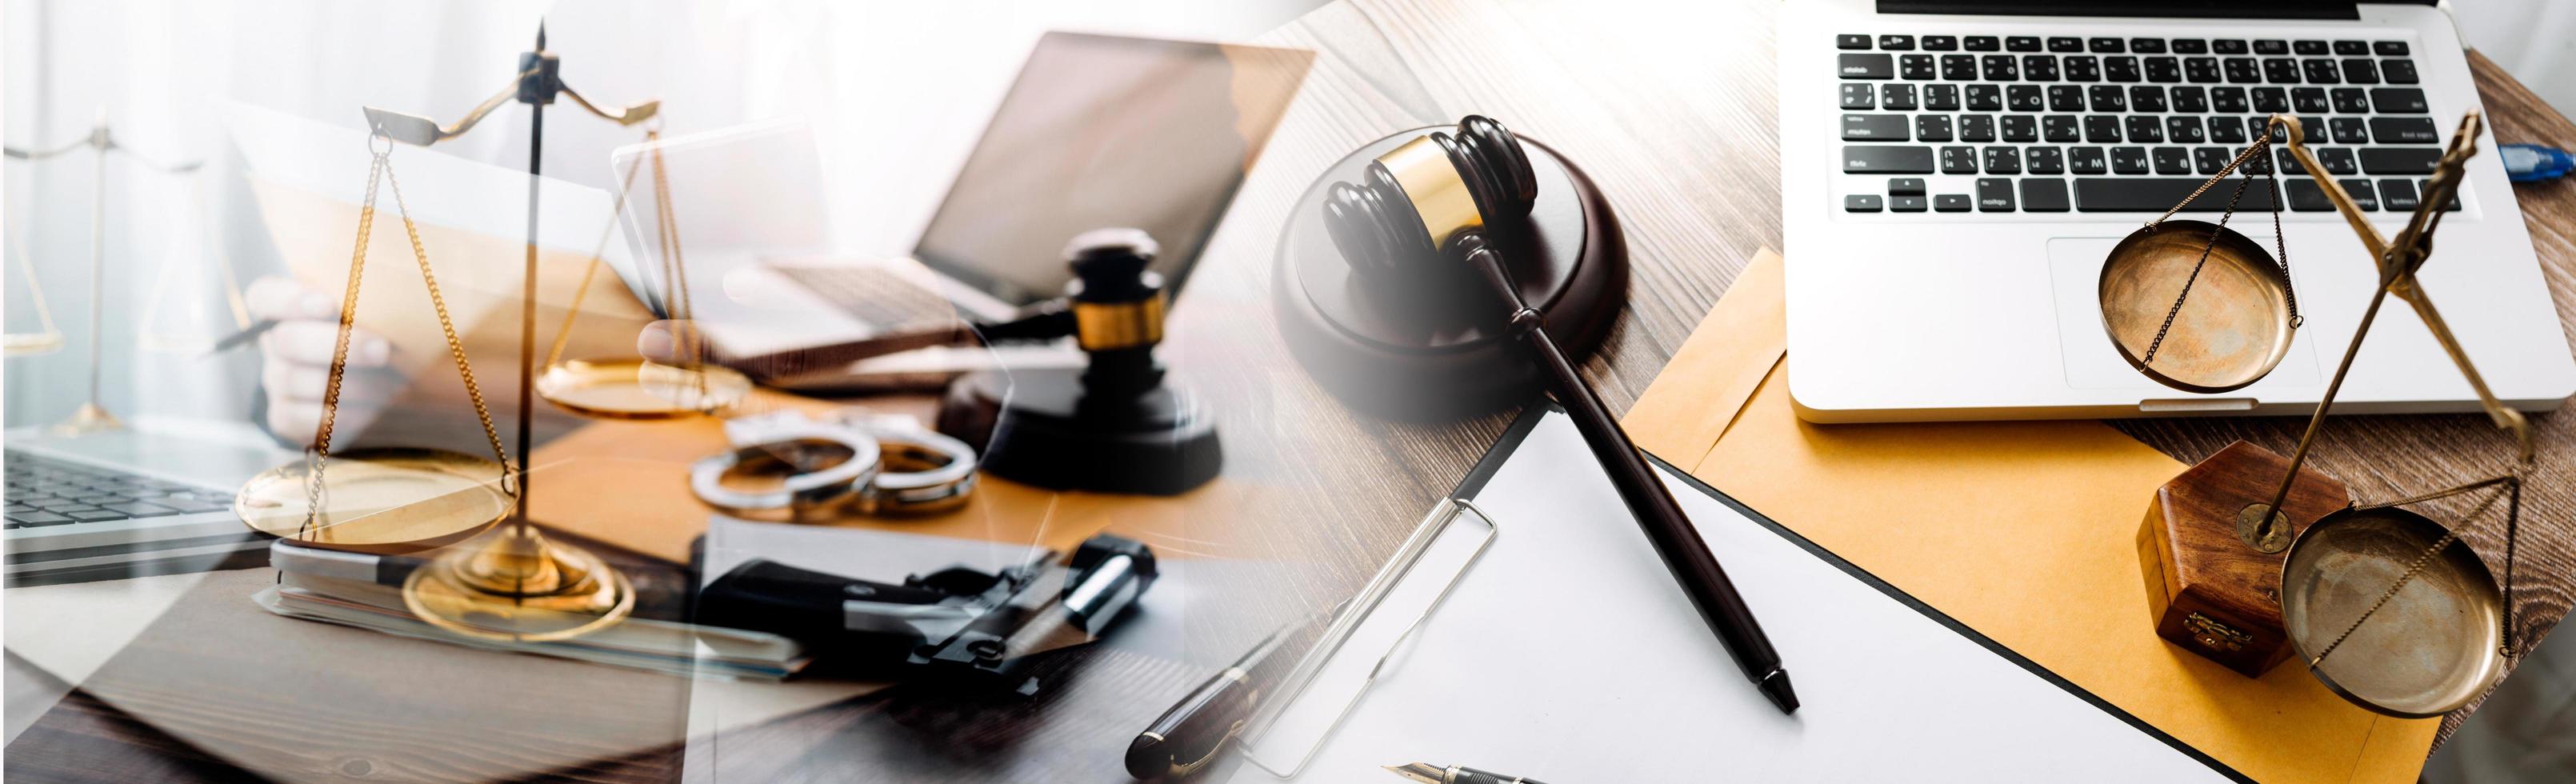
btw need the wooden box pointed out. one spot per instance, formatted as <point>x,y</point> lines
<point>2209,591</point>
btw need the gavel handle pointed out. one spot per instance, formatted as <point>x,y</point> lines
<point>1679,544</point>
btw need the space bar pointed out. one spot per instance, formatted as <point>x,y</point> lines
<point>2157,194</point>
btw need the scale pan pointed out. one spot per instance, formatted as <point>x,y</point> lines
<point>2231,331</point>
<point>2432,649</point>
<point>636,389</point>
<point>386,501</point>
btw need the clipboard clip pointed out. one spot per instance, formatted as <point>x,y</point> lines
<point>1266,723</point>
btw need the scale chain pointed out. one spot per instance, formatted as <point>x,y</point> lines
<point>2261,146</point>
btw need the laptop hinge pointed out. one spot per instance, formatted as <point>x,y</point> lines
<point>2201,9</point>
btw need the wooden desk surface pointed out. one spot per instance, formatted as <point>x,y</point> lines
<point>1674,119</point>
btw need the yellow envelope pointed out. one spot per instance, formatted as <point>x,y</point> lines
<point>2023,531</point>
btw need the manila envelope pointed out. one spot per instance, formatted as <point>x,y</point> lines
<point>2023,531</point>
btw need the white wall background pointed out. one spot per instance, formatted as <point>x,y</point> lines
<point>2535,40</point>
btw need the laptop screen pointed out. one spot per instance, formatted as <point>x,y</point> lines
<point>1106,131</point>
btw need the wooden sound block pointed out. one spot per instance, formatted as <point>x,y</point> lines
<point>2210,592</point>
<point>2209,589</point>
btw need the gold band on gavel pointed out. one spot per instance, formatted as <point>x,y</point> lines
<point>1423,169</point>
<point>1101,326</point>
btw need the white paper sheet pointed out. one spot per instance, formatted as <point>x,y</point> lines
<point>1569,655</point>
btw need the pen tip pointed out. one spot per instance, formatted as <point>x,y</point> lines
<point>1423,772</point>
<point>1776,687</point>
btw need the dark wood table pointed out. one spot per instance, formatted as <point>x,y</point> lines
<point>1674,119</point>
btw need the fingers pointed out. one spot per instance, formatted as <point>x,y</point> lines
<point>282,299</point>
<point>308,342</point>
<point>674,342</point>
<point>295,399</point>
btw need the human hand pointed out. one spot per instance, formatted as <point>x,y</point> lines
<point>295,362</point>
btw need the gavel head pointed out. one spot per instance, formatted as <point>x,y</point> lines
<point>1118,306</point>
<point>1417,200</point>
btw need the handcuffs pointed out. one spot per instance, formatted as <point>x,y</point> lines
<point>850,460</point>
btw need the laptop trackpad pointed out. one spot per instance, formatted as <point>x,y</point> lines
<point>2075,270</point>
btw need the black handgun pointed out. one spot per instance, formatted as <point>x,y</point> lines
<point>957,623</point>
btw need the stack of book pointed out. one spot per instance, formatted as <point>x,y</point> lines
<point>365,591</point>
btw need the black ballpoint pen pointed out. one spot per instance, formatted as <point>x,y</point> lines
<point>1428,773</point>
<point>1189,735</point>
<point>1666,527</point>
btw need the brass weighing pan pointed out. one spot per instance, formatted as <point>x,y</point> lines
<point>385,501</point>
<point>2434,646</point>
<point>2232,329</point>
<point>638,389</point>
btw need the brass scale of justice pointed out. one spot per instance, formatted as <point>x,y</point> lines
<point>2389,609</point>
<point>513,584</point>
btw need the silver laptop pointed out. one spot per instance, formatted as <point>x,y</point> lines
<point>129,503</point>
<point>1953,173</point>
<point>1096,131</point>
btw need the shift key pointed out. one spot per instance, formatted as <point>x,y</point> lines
<point>1886,159</point>
<point>1875,128</point>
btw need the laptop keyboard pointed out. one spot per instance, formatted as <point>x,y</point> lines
<point>880,297</point>
<point>2096,124</point>
<point>45,492</point>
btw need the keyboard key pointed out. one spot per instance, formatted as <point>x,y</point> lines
<point>2320,72</point>
<point>1941,97</point>
<point>2229,100</point>
<point>1905,203</point>
<point>2060,128</point>
<point>1951,202</point>
<point>1860,202</point>
<point>95,515</point>
<point>2397,71</point>
<point>2022,43</point>
<point>2024,98</point>
<point>2065,98</point>
<point>2184,130</point>
<point>2147,45</point>
<point>1874,128</point>
<point>2404,130</point>
<point>2305,196</point>
<point>1976,127</point>
<point>2019,128</point>
<point>2043,194</point>
<point>2277,70</point>
<point>1859,96</point>
<point>2190,46</point>
<point>2351,47</point>
<point>2172,160</point>
<point>1994,194</point>
<point>1896,43</point>
<point>2271,46</point>
<point>2271,100</point>
<point>2349,130</point>
<point>1898,97</point>
<point>2389,48</point>
<point>2399,160</point>
<point>2360,70</point>
<point>1958,160</point>
<point>2142,128</point>
<point>2228,46</point>
<point>1959,67</point>
<point>2101,129</point>
<point>2423,187</point>
<point>2190,100</point>
<point>2308,99</point>
<point>2362,195</point>
<point>2108,45</point>
<point>2087,160</point>
<point>2164,70</point>
<point>1917,67</point>
<point>2243,70</point>
<point>2065,43</point>
<point>2201,70</point>
<point>2398,100</point>
<point>2146,98</point>
<point>1983,43</point>
<point>141,509</point>
<point>2081,68</point>
<point>2398,194</point>
<point>2309,47</point>
<point>1904,186</point>
<point>1851,42</point>
<point>2157,194</point>
<point>1940,43</point>
<point>1985,98</point>
<point>1867,66</point>
<point>2210,160</point>
<point>2043,160</point>
<point>2129,160</point>
<point>2289,163</point>
<point>2338,160</point>
<point>2121,69</point>
<point>1890,159</point>
<point>38,519</point>
<point>2351,100</point>
<point>2003,160</point>
<point>2039,68</point>
<point>1932,128</point>
<point>1999,68</point>
<point>2108,98</point>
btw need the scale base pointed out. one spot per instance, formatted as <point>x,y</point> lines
<point>90,418</point>
<point>1043,427</point>
<point>2209,590</point>
<point>514,585</point>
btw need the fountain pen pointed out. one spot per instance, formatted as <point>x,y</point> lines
<point>1427,773</point>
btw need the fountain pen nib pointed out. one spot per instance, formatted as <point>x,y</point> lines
<point>1424,772</point>
<point>1776,687</point>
